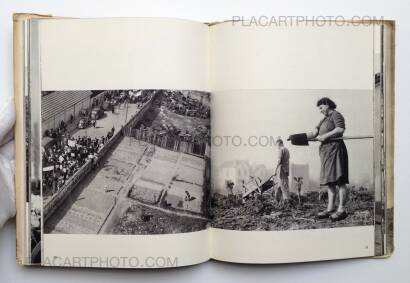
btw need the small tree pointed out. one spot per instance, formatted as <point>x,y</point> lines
<point>299,183</point>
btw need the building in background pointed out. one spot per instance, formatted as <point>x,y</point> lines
<point>60,106</point>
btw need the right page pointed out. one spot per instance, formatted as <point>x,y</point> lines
<point>298,159</point>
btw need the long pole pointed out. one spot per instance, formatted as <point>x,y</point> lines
<point>346,138</point>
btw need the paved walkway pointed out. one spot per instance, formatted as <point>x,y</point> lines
<point>90,203</point>
<point>104,125</point>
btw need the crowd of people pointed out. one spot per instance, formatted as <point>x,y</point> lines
<point>65,157</point>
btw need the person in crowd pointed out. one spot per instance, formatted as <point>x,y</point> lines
<point>68,156</point>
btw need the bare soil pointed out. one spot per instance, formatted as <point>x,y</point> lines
<point>265,213</point>
<point>144,220</point>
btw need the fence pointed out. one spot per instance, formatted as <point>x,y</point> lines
<point>168,142</point>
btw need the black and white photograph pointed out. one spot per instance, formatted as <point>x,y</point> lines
<point>303,160</point>
<point>128,161</point>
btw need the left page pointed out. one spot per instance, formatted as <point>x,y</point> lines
<point>117,137</point>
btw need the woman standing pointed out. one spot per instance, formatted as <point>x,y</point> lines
<point>334,164</point>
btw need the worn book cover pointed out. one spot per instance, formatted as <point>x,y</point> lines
<point>150,142</point>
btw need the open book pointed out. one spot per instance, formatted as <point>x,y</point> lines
<point>151,142</point>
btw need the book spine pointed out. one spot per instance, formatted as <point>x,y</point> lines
<point>20,86</point>
<point>389,79</point>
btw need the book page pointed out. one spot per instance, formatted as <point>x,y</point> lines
<point>123,175</point>
<point>276,200</point>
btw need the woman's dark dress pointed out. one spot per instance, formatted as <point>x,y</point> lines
<point>334,162</point>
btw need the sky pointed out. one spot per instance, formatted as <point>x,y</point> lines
<point>273,113</point>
